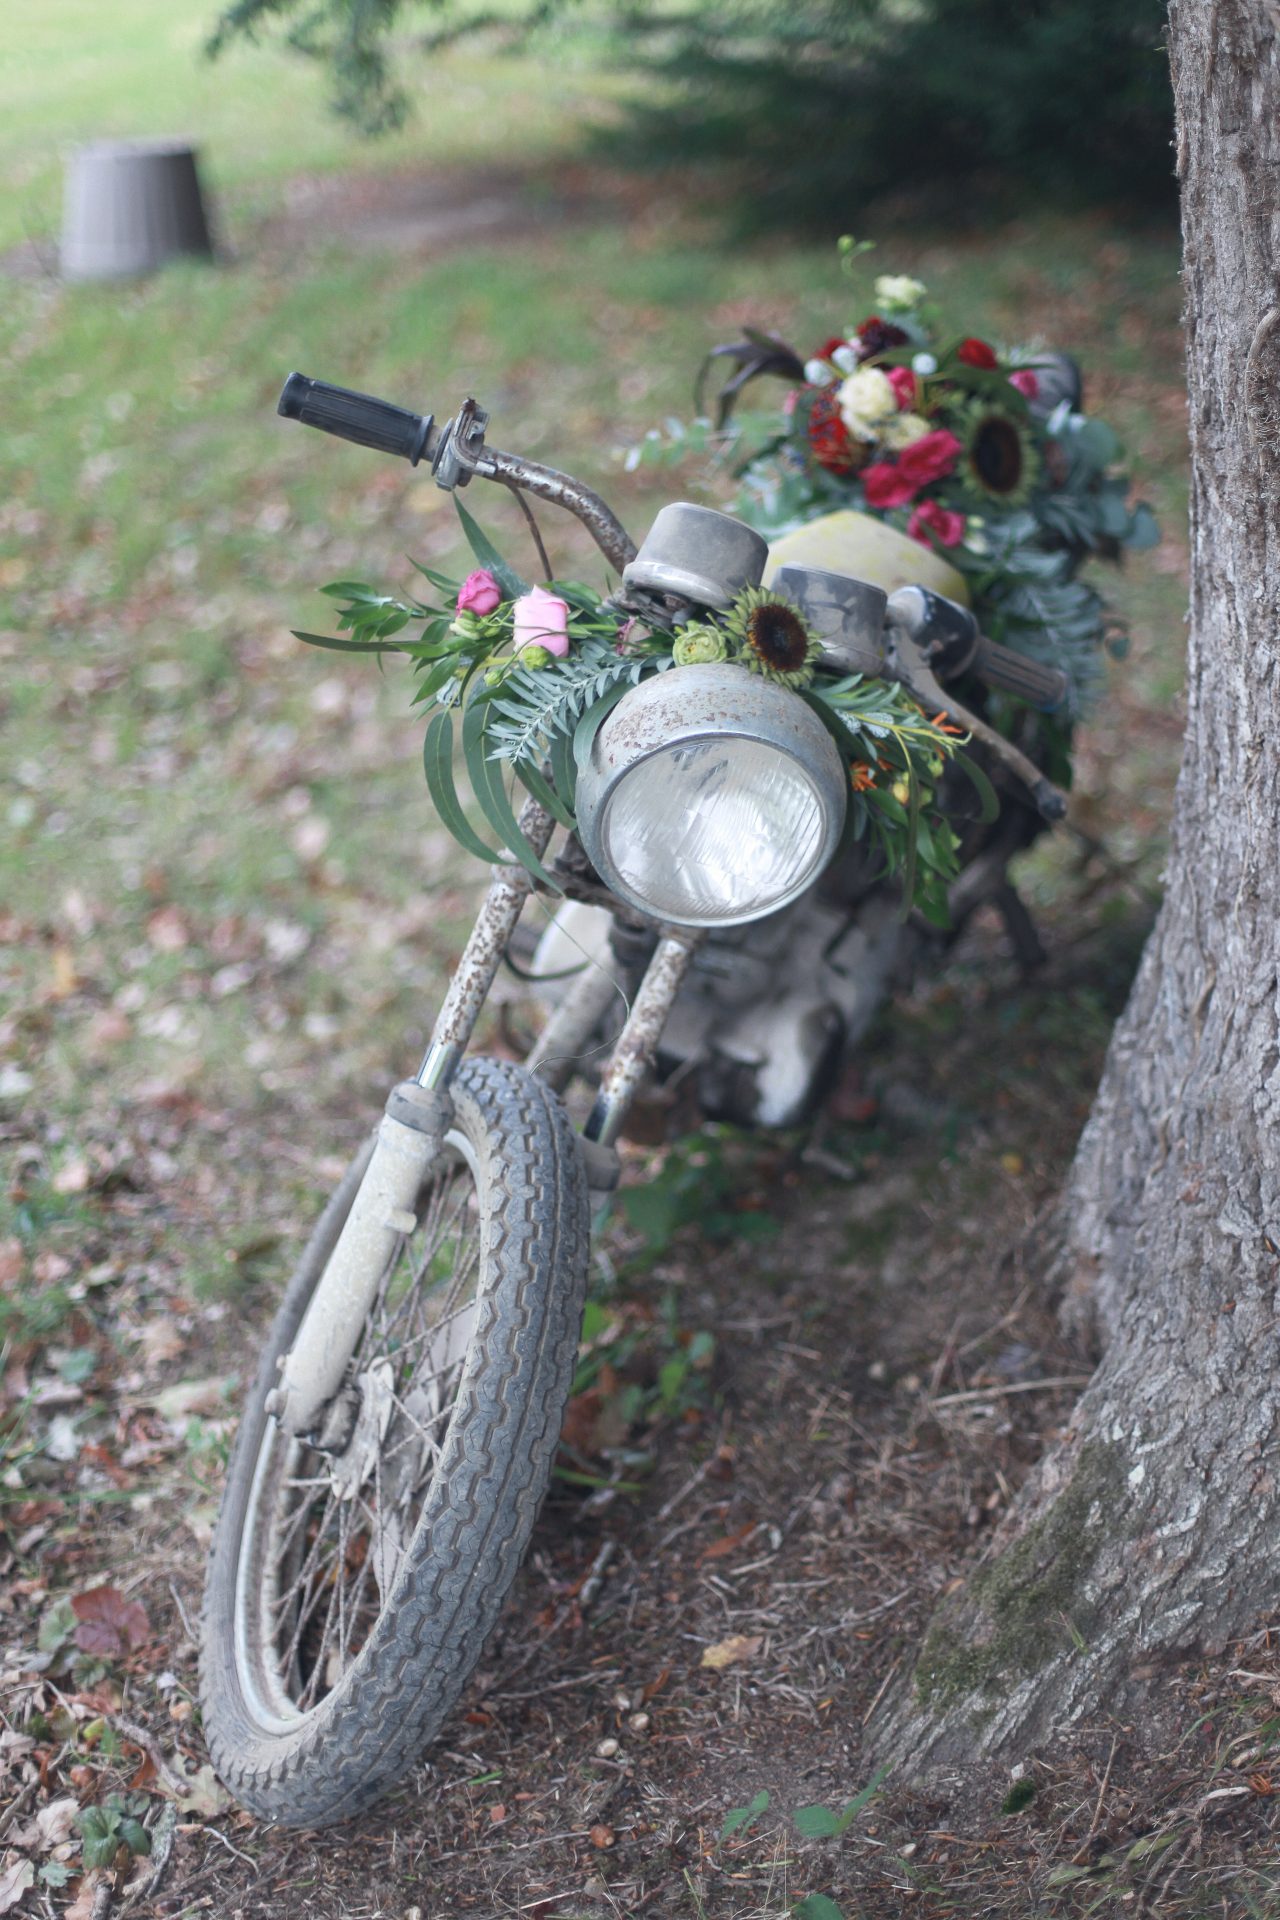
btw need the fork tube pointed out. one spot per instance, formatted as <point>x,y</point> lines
<point>481,957</point>
<point>637,1044</point>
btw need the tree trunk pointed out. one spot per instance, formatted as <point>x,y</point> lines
<point>1151,1527</point>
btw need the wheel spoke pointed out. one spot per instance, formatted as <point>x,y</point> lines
<point>340,1531</point>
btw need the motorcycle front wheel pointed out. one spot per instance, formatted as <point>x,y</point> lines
<point>350,1592</point>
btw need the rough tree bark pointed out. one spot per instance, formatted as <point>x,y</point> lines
<point>1151,1528</point>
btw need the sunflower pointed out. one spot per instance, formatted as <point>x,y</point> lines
<point>1000,460</point>
<point>771,638</point>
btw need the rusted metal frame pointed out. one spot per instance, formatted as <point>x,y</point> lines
<point>637,1045</point>
<point>562,490</point>
<point>482,956</point>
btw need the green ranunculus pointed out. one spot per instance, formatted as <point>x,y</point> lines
<point>699,646</point>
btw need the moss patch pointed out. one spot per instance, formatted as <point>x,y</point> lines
<point>1023,1608</point>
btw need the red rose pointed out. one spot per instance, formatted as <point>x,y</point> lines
<point>1025,381</point>
<point>975,353</point>
<point>929,517</point>
<point>825,351</point>
<point>903,382</point>
<point>887,486</point>
<point>929,458</point>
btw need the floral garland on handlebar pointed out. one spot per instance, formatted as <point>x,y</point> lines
<point>983,455</point>
<point>531,672</point>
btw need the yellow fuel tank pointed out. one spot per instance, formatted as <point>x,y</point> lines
<point>857,543</point>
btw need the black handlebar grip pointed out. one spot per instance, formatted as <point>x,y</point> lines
<point>355,416</point>
<point>1040,686</point>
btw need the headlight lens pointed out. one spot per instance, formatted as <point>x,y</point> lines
<point>711,798</point>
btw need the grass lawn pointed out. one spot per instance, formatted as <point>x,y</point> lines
<point>226,910</point>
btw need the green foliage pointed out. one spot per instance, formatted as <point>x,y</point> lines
<point>114,1824</point>
<point>1019,1796</point>
<point>821,1823</point>
<point>699,1184</point>
<point>742,1819</point>
<point>821,102</point>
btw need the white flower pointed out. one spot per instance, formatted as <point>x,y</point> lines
<point>817,373</point>
<point>845,358</point>
<point>897,294</point>
<point>867,403</point>
<point>902,430</point>
<point>923,363</point>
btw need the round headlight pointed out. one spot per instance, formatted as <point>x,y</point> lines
<point>711,797</point>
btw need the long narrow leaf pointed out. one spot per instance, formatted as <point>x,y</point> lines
<point>437,761</point>
<point>486,784</point>
<point>536,783</point>
<point>987,798</point>
<point>348,646</point>
<point>589,725</point>
<point>564,771</point>
<point>488,556</point>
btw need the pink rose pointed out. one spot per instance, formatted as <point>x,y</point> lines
<point>541,619</point>
<point>929,517</point>
<point>1026,383</point>
<point>479,593</point>
<point>903,382</point>
<point>927,459</point>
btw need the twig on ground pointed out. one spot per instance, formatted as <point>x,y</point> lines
<point>248,1859</point>
<point>1097,1811</point>
<point>1017,1386</point>
<point>172,1782</point>
<point>161,1854</point>
<point>592,1584</point>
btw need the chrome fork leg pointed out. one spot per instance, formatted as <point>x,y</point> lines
<point>482,956</point>
<point>633,1055</point>
<point>418,1115</point>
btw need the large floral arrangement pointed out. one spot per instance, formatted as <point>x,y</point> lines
<point>977,451</point>
<point>528,674</point>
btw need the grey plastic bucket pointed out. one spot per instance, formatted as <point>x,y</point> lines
<point>129,206</point>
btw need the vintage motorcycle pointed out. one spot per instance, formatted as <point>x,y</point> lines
<point>402,1428</point>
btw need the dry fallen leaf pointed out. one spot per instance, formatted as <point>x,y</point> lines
<point>203,1793</point>
<point>16,1875</point>
<point>191,1396</point>
<point>81,1907</point>
<point>52,1825</point>
<point>108,1623</point>
<point>727,1653</point>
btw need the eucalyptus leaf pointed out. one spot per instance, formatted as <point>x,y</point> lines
<point>487,554</point>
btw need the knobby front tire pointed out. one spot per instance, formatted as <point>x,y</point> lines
<point>349,1595</point>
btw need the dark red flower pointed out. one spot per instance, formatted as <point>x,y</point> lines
<point>929,458</point>
<point>829,438</point>
<point>878,336</point>
<point>828,348</point>
<point>976,353</point>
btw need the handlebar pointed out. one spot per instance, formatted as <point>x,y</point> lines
<point>454,452</point>
<point>943,637</point>
<point>358,417</point>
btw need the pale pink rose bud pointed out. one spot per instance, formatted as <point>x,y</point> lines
<point>1025,381</point>
<point>541,619</point>
<point>479,593</point>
